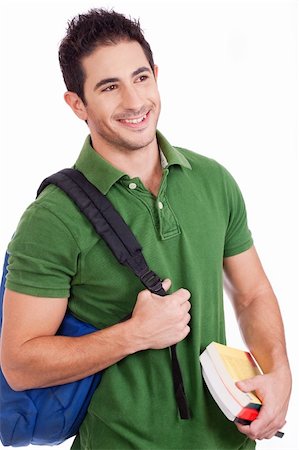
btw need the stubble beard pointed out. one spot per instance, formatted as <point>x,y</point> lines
<point>125,144</point>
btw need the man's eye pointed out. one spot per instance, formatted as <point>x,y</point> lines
<point>143,78</point>
<point>112,87</point>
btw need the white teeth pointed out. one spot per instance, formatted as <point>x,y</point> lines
<point>135,120</point>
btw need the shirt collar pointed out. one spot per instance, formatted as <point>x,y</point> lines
<point>171,154</point>
<point>96,169</point>
<point>103,175</point>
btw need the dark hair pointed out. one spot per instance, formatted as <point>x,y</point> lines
<point>85,33</point>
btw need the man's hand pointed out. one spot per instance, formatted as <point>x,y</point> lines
<point>159,322</point>
<point>260,323</point>
<point>273,389</point>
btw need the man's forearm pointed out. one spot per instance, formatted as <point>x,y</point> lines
<point>260,323</point>
<point>256,308</point>
<point>262,329</point>
<point>33,356</point>
<point>52,360</point>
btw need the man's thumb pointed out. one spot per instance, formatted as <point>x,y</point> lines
<point>247,385</point>
<point>166,284</point>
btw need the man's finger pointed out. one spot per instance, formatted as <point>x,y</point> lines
<point>166,284</point>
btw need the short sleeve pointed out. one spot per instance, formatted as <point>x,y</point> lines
<point>43,255</point>
<point>238,236</point>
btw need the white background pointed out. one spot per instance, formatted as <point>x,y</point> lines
<point>228,79</point>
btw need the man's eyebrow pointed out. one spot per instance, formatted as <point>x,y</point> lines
<point>105,81</point>
<point>140,70</point>
<point>115,80</point>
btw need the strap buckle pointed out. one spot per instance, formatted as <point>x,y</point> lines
<point>151,281</point>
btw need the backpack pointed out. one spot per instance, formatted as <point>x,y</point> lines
<point>48,416</point>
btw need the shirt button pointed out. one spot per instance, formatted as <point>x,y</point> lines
<point>160,204</point>
<point>132,185</point>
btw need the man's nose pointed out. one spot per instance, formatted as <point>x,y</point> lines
<point>131,98</point>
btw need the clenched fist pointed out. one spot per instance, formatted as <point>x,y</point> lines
<point>159,322</point>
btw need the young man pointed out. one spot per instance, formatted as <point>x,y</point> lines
<point>190,218</point>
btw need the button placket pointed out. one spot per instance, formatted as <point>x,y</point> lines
<point>169,226</point>
<point>132,186</point>
<point>162,215</point>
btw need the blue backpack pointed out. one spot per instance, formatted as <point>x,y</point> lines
<point>49,416</point>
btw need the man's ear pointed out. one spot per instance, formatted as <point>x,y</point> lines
<point>156,71</point>
<point>77,105</point>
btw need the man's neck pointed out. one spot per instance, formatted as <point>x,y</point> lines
<point>143,163</point>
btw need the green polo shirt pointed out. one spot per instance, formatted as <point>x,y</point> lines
<point>197,219</point>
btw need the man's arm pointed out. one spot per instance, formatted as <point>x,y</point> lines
<point>32,356</point>
<point>260,322</point>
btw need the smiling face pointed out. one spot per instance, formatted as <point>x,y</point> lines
<point>122,99</point>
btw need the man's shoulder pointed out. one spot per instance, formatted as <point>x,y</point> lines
<point>53,213</point>
<point>201,162</point>
<point>207,172</point>
<point>54,205</point>
<point>57,201</point>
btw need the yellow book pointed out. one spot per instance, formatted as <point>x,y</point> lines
<point>222,367</point>
<point>234,365</point>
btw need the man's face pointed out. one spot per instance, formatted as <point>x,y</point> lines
<point>122,98</point>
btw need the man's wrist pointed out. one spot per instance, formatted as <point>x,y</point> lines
<point>133,340</point>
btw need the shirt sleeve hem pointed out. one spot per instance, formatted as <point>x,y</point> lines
<point>238,249</point>
<point>38,292</point>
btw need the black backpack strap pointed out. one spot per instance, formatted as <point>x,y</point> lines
<point>108,223</point>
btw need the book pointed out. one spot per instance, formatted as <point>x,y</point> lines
<point>222,367</point>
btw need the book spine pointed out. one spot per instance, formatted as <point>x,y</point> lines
<point>248,414</point>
